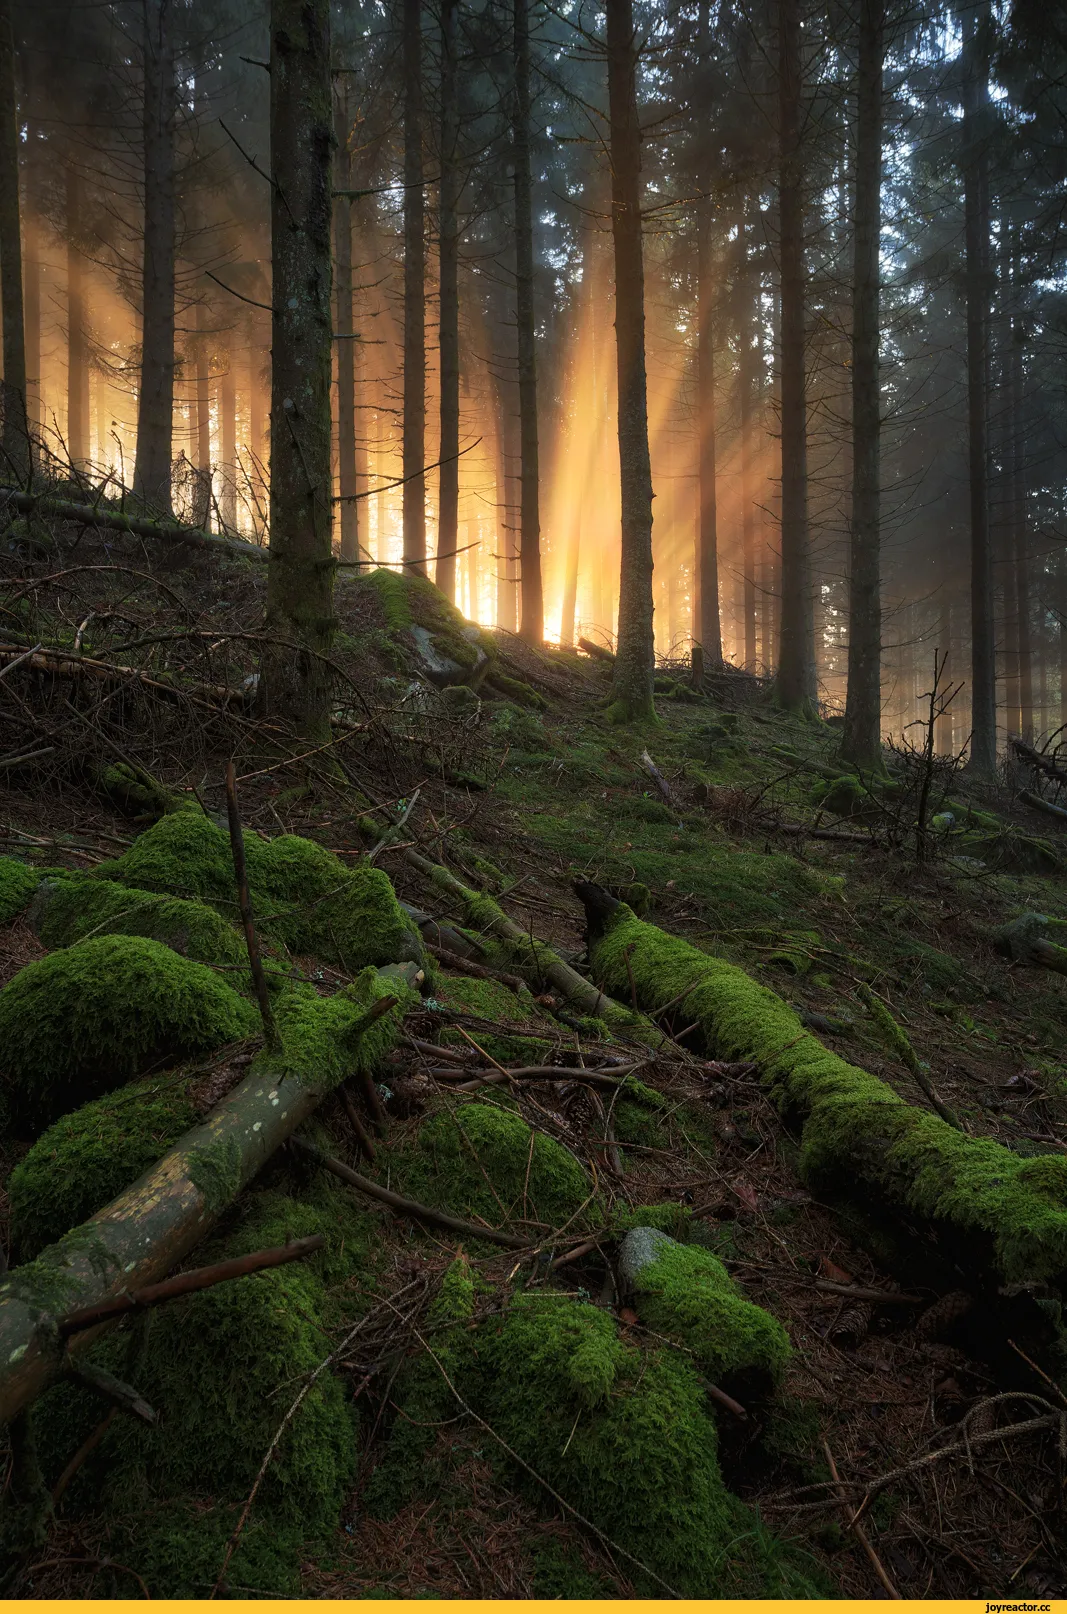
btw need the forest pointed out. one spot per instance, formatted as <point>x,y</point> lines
<point>533,795</point>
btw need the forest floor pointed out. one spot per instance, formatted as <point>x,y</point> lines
<point>522,796</point>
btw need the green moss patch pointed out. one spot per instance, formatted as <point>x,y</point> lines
<point>18,882</point>
<point>991,1208</point>
<point>221,1368</point>
<point>88,1157</point>
<point>498,1004</point>
<point>686,1294</point>
<point>87,1019</point>
<point>66,910</point>
<point>625,1436</point>
<point>480,1161</point>
<point>303,896</point>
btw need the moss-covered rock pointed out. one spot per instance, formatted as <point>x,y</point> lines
<point>303,896</point>
<point>18,882</point>
<point>483,1161</point>
<point>686,1294</point>
<point>625,1436</point>
<point>222,1368</point>
<point>87,1019</point>
<point>65,910</point>
<point>89,1156</point>
<point>1004,1217</point>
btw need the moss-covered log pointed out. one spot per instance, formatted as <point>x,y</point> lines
<point>998,1216</point>
<point>143,1233</point>
<point>94,515</point>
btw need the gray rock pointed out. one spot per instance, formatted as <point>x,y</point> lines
<point>640,1247</point>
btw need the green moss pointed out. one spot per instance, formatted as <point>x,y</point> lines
<point>67,910</point>
<point>473,1160</point>
<point>137,793</point>
<point>626,1438</point>
<point>248,1347</point>
<point>18,882</point>
<point>89,1156</point>
<point>302,895</point>
<point>87,1019</point>
<point>845,796</point>
<point>499,1005</point>
<point>326,1039</point>
<point>669,1218</point>
<point>522,693</point>
<point>859,1135</point>
<point>559,1572</point>
<point>687,1295</point>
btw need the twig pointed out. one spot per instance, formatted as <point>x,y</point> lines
<point>880,1297</point>
<point>467,966</point>
<point>858,1530</point>
<point>363,1137</point>
<point>394,829</point>
<point>25,656</point>
<point>123,1396</point>
<point>410,1207</point>
<point>244,900</point>
<point>545,1073</point>
<point>86,1449</point>
<point>187,1283</point>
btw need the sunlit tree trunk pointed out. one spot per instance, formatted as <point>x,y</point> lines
<point>77,354</point>
<point>708,624</point>
<point>414,456</point>
<point>531,618</point>
<point>746,385</point>
<point>155,396</point>
<point>228,438</point>
<point>975,160</point>
<point>795,686</point>
<point>16,436</point>
<point>635,653</point>
<point>861,740</point>
<point>294,681</point>
<point>31,274</point>
<point>346,347</point>
<point>1021,545</point>
<point>448,235</point>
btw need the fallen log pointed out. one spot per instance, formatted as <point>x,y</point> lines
<point>983,1209</point>
<point>94,515</point>
<point>65,664</point>
<point>1043,806</point>
<point>597,651</point>
<point>133,1242</point>
<point>1024,940</point>
<point>657,778</point>
<point>1038,760</point>
<point>467,966</point>
<point>483,914</point>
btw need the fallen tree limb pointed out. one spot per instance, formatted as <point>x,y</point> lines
<point>984,1209</point>
<point>112,1389</point>
<point>881,1297</point>
<point>484,914</point>
<point>411,1207</point>
<point>143,1234</point>
<point>64,664</point>
<point>1043,806</point>
<point>548,1073</point>
<point>188,1283</point>
<point>857,1529</point>
<point>597,651</point>
<point>467,966</point>
<point>657,778</point>
<point>1038,760</point>
<point>93,515</point>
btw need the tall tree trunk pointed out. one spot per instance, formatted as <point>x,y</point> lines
<point>975,160</point>
<point>346,347</point>
<point>77,356</point>
<point>746,383</point>
<point>861,740</point>
<point>943,733</point>
<point>15,433</point>
<point>795,686</point>
<point>294,682</point>
<point>1020,558</point>
<point>155,396</point>
<point>531,620</point>
<point>414,491</point>
<point>228,439</point>
<point>448,236</point>
<point>635,660</point>
<point>709,624</point>
<point>32,287</point>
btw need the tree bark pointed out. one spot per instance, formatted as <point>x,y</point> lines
<point>861,741</point>
<point>1020,534</point>
<point>795,686</point>
<point>448,236</point>
<point>228,438</point>
<point>155,396</point>
<point>77,357</point>
<point>15,438</point>
<point>975,160</point>
<point>635,657</point>
<point>414,451</point>
<point>346,347</point>
<point>709,625</point>
<point>746,386</point>
<point>532,610</point>
<point>300,578</point>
